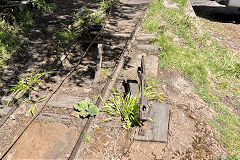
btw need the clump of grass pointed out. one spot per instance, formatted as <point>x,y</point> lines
<point>26,84</point>
<point>203,59</point>
<point>152,89</point>
<point>43,5</point>
<point>127,108</point>
<point>66,36</point>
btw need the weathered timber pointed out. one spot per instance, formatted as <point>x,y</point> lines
<point>4,110</point>
<point>145,37</point>
<point>144,108</point>
<point>152,65</point>
<point>146,47</point>
<point>64,101</point>
<point>156,128</point>
<point>99,64</point>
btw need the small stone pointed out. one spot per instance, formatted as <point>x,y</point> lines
<point>5,100</point>
<point>50,28</point>
<point>74,114</point>
<point>62,17</point>
<point>4,110</point>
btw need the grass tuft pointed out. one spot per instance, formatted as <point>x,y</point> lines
<point>125,107</point>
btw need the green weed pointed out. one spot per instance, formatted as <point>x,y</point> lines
<point>152,89</point>
<point>26,84</point>
<point>85,138</point>
<point>66,36</point>
<point>43,6</point>
<point>9,41</point>
<point>104,73</point>
<point>125,107</point>
<point>34,103</point>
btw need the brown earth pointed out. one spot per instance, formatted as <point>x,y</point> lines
<point>44,141</point>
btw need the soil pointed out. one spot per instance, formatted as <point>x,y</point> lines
<point>45,144</point>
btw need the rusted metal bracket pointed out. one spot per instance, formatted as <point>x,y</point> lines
<point>154,119</point>
<point>144,107</point>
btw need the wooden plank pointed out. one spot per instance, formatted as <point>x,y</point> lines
<point>156,131</point>
<point>64,101</point>
<point>99,64</point>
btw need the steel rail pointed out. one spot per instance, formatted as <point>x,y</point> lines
<point>109,83</point>
<point>45,104</point>
<point>104,92</point>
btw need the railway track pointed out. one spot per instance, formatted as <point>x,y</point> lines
<point>53,132</point>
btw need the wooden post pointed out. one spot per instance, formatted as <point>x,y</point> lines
<point>99,64</point>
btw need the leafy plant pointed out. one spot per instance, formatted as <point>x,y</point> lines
<point>26,84</point>
<point>125,107</point>
<point>86,108</point>
<point>43,6</point>
<point>31,110</point>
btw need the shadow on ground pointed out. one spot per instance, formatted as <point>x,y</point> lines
<point>40,44</point>
<point>40,49</point>
<point>218,14</point>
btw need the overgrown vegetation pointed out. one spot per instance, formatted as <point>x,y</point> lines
<point>87,17</point>
<point>124,107</point>
<point>212,67</point>
<point>15,20</point>
<point>34,104</point>
<point>152,89</point>
<point>26,85</point>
